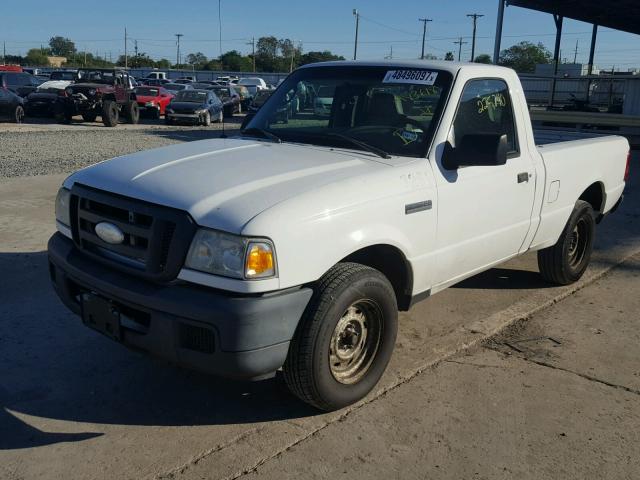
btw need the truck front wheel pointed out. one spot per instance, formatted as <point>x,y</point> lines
<point>345,338</point>
<point>567,260</point>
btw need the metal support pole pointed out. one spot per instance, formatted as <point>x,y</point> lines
<point>355,46</point>
<point>592,51</point>
<point>558,19</point>
<point>460,43</point>
<point>498,40</point>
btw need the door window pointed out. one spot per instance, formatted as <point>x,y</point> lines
<point>485,107</point>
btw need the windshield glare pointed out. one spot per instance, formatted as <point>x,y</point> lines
<point>394,109</point>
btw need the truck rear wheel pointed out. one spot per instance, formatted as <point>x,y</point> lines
<point>345,338</point>
<point>567,260</point>
<point>110,113</point>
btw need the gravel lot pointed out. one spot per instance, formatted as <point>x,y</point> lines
<point>45,148</point>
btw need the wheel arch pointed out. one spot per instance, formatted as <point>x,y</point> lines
<point>393,264</point>
<point>595,195</point>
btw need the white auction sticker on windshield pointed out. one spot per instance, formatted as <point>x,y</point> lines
<point>421,77</point>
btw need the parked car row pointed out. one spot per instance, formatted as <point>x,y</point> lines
<point>114,95</point>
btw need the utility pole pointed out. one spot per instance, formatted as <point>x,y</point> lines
<point>575,54</point>
<point>4,53</point>
<point>126,60</point>
<point>390,56</point>
<point>424,33</point>
<point>178,35</point>
<point>355,46</point>
<point>253,52</point>
<point>460,43</point>
<point>475,17</point>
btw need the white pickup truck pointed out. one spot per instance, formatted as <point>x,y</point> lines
<point>294,245</point>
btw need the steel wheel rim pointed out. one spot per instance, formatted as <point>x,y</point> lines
<point>355,342</point>
<point>578,243</point>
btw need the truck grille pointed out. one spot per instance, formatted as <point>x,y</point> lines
<point>156,239</point>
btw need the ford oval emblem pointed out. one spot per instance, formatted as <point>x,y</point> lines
<point>109,233</point>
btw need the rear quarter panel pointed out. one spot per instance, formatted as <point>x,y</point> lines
<point>571,168</point>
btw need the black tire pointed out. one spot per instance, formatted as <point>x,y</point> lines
<point>18,114</point>
<point>132,112</point>
<point>310,370</point>
<point>228,111</point>
<point>167,120</point>
<point>110,113</point>
<point>90,116</point>
<point>62,113</point>
<point>567,260</point>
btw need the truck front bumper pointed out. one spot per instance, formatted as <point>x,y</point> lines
<point>213,331</point>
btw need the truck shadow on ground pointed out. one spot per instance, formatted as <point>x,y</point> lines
<point>54,368</point>
<point>505,278</point>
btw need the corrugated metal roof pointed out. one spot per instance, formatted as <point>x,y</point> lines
<point>617,14</point>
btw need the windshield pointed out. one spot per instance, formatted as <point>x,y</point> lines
<point>62,76</point>
<point>191,96</point>
<point>393,109</point>
<point>147,92</point>
<point>96,76</point>
<point>174,86</point>
<point>222,92</point>
<point>251,82</point>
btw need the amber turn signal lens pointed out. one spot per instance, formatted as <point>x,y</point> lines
<point>260,262</point>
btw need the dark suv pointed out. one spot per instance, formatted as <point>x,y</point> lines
<point>19,82</point>
<point>107,93</point>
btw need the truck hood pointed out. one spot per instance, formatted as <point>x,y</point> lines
<point>224,183</point>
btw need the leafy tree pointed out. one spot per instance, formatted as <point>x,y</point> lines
<point>314,57</point>
<point>197,60</point>
<point>524,56</point>
<point>87,59</point>
<point>483,58</point>
<point>37,56</point>
<point>62,47</point>
<point>235,61</point>
<point>449,57</point>
<point>163,63</point>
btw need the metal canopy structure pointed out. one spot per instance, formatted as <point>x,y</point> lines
<point>621,15</point>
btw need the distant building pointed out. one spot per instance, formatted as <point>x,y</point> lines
<point>565,69</point>
<point>56,61</point>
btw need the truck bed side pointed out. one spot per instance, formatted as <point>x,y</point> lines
<point>572,167</point>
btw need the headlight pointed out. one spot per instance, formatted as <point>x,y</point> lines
<point>229,255</point>
<point>63,214</point>
<point>69,90</point>
<point>201,111</point>
<point>91,92</point>
<point>149,104</point>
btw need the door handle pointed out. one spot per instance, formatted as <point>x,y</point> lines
<point>524,177</point>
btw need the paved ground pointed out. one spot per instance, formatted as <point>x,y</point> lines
<point>75,405</point>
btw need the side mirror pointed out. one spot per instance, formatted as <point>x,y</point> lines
<point>481,149</point>
<point>247,118</point>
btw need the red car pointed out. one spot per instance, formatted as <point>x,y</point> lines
<point>153,100</point>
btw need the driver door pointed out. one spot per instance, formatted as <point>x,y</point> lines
<point>484,211</point>
<point>120,89</point>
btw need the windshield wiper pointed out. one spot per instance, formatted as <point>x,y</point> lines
<point>361,144</point>
<point>263,132</point>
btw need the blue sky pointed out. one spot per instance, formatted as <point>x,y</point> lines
<point>328,24</point>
